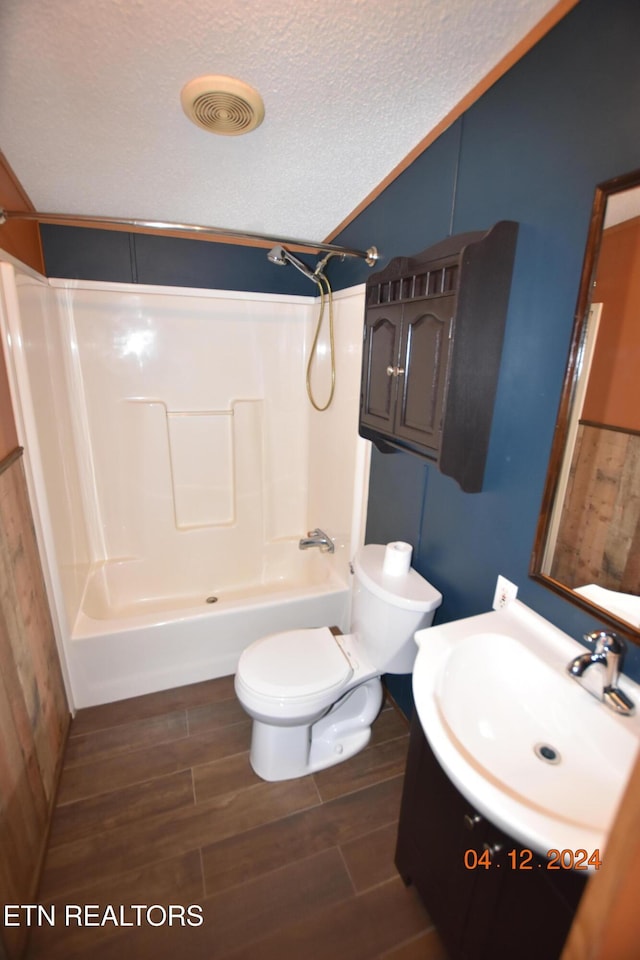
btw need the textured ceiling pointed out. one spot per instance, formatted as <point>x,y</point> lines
<point>91,121</point>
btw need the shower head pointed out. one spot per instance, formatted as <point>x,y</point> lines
<point>277,255</point>
<point>281,256</point>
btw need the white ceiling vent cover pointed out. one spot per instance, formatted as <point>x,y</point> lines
<point>222,105</point>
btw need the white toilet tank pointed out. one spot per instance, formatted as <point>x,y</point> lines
<point>387,610</point>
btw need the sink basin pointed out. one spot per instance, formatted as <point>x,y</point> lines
<point>529,747</point>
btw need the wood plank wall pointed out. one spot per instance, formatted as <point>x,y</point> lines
<point>34,716</point>
<point>601,544</point>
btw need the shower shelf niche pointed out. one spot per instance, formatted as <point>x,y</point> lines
<point>433,333</point>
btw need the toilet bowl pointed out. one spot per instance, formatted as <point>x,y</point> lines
<point>313,695</point>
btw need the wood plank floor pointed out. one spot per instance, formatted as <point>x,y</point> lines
<point>158,807</point>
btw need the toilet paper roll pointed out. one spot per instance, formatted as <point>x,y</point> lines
<point>397,558</point>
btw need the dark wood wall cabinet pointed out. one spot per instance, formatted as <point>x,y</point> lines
<point>433,333</point>
<point>514,907</point>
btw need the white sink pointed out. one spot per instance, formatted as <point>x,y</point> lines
<point>529,747</point>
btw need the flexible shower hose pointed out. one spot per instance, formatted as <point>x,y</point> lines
<point>321,280</point>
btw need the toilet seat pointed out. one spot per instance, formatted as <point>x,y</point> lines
<point>295,664</point>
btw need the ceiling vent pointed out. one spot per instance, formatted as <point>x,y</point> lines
<point>222,105</point>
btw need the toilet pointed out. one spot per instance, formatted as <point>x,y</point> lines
<point>313,695</point>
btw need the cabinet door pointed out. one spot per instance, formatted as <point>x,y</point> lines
<point>380,362</point>
<point>437,827</point>
<point>424,354</point>
<point>528,914</point>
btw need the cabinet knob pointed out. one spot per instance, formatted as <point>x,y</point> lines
<point>471,820</point>
<point>492,848</point>
<point>394,371</point>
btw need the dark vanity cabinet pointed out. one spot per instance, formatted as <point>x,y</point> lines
<point>432,342</point>
<point>515,907</point>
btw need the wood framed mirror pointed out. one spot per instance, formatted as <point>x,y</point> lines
<point>587,545</point>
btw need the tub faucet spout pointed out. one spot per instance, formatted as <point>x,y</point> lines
<point>609,653</point>
<point>317,538</point>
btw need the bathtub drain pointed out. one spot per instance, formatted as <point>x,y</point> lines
<point>211,600</point>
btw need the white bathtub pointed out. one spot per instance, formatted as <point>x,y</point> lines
<point>117,651</point>
<point>166,462</point>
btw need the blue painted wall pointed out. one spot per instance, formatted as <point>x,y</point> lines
<point>80,253</point>
<point>532,149</point>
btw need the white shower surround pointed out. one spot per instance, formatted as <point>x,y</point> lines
<point>172,455</point>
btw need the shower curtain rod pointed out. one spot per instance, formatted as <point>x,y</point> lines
<point>370,256</point>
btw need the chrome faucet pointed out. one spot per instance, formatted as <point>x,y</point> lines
<point>609,654</point>
<point>317,538</point>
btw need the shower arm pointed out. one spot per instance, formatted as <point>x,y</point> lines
<point>370,256</point>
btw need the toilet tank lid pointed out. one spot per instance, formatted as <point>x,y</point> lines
<point>410,591</point>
